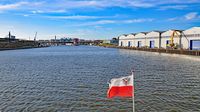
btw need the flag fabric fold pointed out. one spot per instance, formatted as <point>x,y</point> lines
<point>121,87</point>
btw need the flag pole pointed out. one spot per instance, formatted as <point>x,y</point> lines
<point>133,93</point>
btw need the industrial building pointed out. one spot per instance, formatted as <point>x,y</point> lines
<point>113,41</point>
<point>191,38</point>
<point>178,39</point>
<point>123,40</point>
<point>153,39</point>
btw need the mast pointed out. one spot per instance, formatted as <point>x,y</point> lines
<point>133,96</point>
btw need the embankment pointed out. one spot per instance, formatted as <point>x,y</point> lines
<point>172,51</point>
<point>18,45</point>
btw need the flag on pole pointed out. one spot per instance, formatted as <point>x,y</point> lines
<point>121,87</point>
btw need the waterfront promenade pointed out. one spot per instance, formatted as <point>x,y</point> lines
<point>74,79</point>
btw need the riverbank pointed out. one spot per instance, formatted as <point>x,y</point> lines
<point>25,47</point>
<point>171,51</point>
<point>19,45</point>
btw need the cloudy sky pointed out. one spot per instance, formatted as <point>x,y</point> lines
<point>94,19</point>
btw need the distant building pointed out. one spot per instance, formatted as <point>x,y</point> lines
<point>106,41</point>
<point>184,39</point>
<point>75,41</point>
<point>10,36</point>
<point>65,41</point>
<point>97,42</point>
<point>113,41</point>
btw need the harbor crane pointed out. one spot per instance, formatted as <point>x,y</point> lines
<point>35,39</point>
<point>35,36</point>
<point>174,34</point>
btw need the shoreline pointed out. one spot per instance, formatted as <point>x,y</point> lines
<point>169,51</point>
<point>18,48</point>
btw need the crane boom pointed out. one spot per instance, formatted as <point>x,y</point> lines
<point>174,34</point>
<point>35,36</point>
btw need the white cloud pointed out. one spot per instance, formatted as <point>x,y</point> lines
<point>174,4</point>
<point>187,17</point>
<point>70,4</point>
<point>177,7</point>
<point>192,15</point>
<point>172,19</point>
<point>61,6</point>
<point>83,17</point>
<point>48,11</point>
<point>56,11</point>
<point>12,6</point>
<point>76,17</point>
<point>125,3</point>
<point>103,22</point>
<point>20,5</point>
<point>78,33</point>
<point>25,15</point>
<point>36,11</point>
<point>140,4</point>
<point>137,20</point>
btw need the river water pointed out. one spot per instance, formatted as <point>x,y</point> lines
<point>74,79</point>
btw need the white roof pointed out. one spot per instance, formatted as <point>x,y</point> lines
<point>153,34</point>
<point>193,30</point>
<point>139,35</point>
<point>169,32</point>
<point>122,36</point>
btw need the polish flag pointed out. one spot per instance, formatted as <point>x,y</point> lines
<point>121,87</point>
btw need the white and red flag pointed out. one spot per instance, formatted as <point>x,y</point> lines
<point>121,87</point>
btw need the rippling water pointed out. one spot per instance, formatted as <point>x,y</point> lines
<point>74,79</point>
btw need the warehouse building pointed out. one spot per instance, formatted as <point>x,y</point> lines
<point>191,38</point>
<point>183,39</point>
<point>140,39</point>
<point>153,39</point>
<point>130,40</point>
<point>123,40</point>
<point>165,38</point>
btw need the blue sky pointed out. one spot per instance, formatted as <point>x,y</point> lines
<point>94,19</point>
